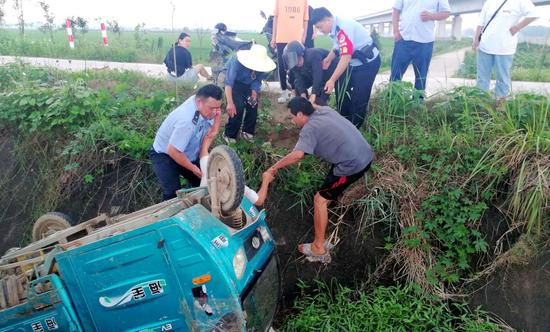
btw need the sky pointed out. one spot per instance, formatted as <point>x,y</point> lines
<point>237,14</point>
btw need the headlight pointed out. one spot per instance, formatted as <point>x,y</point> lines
<point>264,232</point>
<point>239,263</point>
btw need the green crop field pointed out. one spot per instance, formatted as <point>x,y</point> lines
<point>531,63</point>
<point>147,46</point>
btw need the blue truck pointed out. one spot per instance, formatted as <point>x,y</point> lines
<point>203,261</point>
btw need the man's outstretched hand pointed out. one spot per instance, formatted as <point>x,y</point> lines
<point>268,177</point>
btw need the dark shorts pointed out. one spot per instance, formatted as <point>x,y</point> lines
<point>334,185</point>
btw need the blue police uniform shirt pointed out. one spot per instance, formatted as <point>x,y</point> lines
<point>349,36</point>
<point>185,129</point>
<point>237,73</point>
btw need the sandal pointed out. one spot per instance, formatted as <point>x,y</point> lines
<point>312,257</point>
<point>328,245</point>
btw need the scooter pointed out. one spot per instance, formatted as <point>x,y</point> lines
<point>224,43</point>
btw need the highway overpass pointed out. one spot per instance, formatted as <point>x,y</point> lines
<point>381,21</point>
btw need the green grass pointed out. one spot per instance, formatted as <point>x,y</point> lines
<point>531,63</point>
<point>440,165</point>
<point>148,46</point>
<point>453,158</point>
<point>336,308</point>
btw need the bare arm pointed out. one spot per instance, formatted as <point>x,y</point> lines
<point>439,16</point>
<point>231,109</point>
<point>180,158</point>
<point>289,159</point>
<point>525,22</point>
<point>211,135</point>
<point>395,23</point>
<point>475,43</point>
<point>326,61</point>
<point>267,177</point>
<point>331,55</point>
<point>340,69</point>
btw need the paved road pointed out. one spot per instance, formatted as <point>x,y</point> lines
<point>443,69</point>
<point>440,78</point>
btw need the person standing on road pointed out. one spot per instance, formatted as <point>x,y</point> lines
<point>310,32</point>
<point>496,40</point>
<point>358,65</point>
<point>290,22</point>
<point>179,62</point>
<point>243,82</point>
<point>326,134</point>
<point>305,65</point>
<point>414,34</point>
<point>178,141</point>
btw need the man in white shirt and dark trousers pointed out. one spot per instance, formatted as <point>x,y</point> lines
<point>414,34</point>
<point>496,40</point>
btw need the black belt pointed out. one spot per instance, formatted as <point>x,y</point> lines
<point>365,54</point>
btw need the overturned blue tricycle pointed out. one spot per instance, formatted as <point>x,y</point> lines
<point>203,261</point>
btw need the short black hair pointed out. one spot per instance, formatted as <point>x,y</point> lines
<point>300,104</point>
<point>210,91</point>
<point>183,35</point>
<point>319,14</point>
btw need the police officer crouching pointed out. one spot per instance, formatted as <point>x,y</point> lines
<point>358,65</point>
<point>179,139</point>
<point>306,69</point>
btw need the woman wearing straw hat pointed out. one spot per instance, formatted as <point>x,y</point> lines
<point>243,81</point>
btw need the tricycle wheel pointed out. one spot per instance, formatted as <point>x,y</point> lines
<point>49,224</point>
<point>225,166</point>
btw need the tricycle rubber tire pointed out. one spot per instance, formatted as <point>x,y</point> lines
<point>50,223</point>
<point>224,164</point>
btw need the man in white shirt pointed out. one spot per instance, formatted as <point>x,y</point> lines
<point>414,34</point>
<point>497,38</point>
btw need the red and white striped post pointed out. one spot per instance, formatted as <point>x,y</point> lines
<point>104,34</point>
<point>70,34</point>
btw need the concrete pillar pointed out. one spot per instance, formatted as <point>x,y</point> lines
<point>381,29</point>
<point>390,30</point>
<point>457,27</point>
<point>371,28</point>
<point>441,28</point>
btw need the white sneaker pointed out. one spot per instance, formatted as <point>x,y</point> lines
<point>284,98</point>
<point>247,136</point>
<point>229,140</point>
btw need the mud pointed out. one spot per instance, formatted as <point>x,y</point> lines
<point>16,186</point>
<point>519,294</point>
<point>353,259</point>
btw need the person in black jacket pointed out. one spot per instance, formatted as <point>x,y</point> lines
<point>179,62</point>
<point>310,34</point>
<point>306,69</point>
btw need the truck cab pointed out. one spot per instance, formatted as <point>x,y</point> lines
<point>188,264</point>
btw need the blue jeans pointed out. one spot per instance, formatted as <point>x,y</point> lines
<point>406,52</point>
<point>502,64</point>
